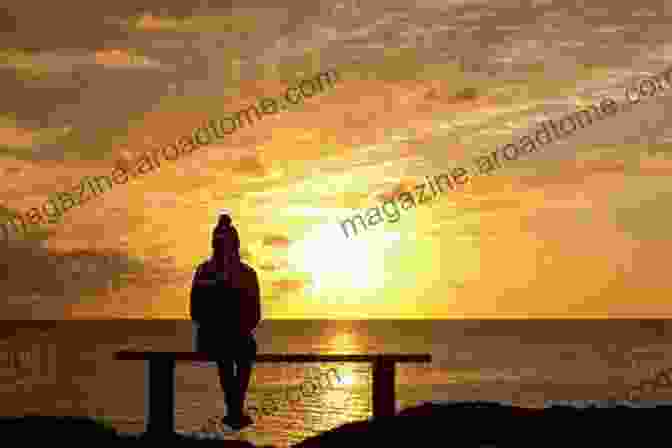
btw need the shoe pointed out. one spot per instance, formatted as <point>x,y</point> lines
<point>237,422</point>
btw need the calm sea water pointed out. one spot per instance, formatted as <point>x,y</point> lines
<point>69,368</point>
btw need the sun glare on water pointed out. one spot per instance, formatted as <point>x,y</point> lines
<point>347,380</point>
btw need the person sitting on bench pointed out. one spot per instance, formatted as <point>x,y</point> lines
<point>225,304</point>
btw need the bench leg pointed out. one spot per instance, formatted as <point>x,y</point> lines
<point>383,388</point>
<point>160,400</point>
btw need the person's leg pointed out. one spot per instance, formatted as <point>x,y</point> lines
<point>244,358</point>
<point>245,355</point>
<point>229,383</point>
<point>244,374</point>
<point>245,367</point>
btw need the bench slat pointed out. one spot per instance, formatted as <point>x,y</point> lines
<point>289,358</point>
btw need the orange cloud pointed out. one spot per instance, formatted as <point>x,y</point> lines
<point>119,58</point>
<point>149,22</point>
<point>655,166</point>
<point>268,267</point>
<point>251,164</point>
<point>277,241</point>
<point>405,185</point>
<point>407,151</point>
<point>288,285</point>
<point>17,137</point>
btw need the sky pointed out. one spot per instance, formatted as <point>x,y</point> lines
<point>574,230</point>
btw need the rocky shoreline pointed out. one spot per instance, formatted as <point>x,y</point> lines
<point>468,424</point>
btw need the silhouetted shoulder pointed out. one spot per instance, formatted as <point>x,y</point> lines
<point>205,266</point>
<point>201,271</point>
<point>248,274</point>
<point>247,269</point>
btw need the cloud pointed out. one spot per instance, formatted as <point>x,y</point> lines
<point>40,63</point>
<point>251,164</point>
<point>352,200</point>
<point>123,58</point>
<point>150,22</point>
<point>288,285</point>
<point>644,218</point>
<point>17,137</point>
<point>14,136</point>
<point>572,172</point>
<point>63,276</point>
<point>24,63</point>
<point>245,253</point>
<point>206,23</point>
<point>276,241</point>
<point>403,185</point>
<point>492,204</point>
<point>268,267</point>
<point>655,166</point>
<point>408,150</point>
<point>267,255</point>
<point>273,265</point>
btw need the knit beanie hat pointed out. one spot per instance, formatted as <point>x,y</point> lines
<point>225,231</point>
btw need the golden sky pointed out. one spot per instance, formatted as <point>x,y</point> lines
<point>576,230</point>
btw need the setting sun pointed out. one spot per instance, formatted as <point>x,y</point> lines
<point>335,263</point>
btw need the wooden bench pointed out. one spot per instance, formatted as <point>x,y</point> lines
<point>160,379</point>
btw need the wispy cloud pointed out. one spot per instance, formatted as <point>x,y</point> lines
<point>123,58</point>
<point>40,64</point>
<point>204,23</point>
<point>23,62</point>
<point>14,136</point>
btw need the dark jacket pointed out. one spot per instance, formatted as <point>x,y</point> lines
<point>232,306</point>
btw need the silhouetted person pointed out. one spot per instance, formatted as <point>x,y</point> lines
<point>226,305</point>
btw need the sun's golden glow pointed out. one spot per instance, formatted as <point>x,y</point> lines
<point>338,264</point>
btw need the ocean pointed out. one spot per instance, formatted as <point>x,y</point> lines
<point>67,368</point>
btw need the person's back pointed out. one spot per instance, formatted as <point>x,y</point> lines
<point>231,303</point>
<point>225,302</point>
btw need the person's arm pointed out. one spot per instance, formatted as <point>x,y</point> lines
<point>251,315</point>
<point>257,302</point>
<point>194,297</point>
